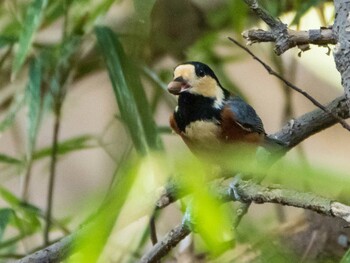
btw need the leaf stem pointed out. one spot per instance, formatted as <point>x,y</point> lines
<point>52,172</point>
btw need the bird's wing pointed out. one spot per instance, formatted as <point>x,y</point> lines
<point>245,115</point>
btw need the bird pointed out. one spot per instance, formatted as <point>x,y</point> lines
<point>208,117</point>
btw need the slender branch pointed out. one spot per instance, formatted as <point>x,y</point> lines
<point>297,130</point>
<point>271,21</point>
<point>283,37</point>
<point>278,28</point>
<point>302,39</point>
<point>291,85</point>
<point>53,253</point>
<point>52,173</point>
<point>153,229</point>
<point>169,241</point>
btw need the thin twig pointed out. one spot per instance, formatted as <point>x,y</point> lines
<point>153,229</point>
<point>52,173</point>
<point>169,241</point>
<point>289,84</point>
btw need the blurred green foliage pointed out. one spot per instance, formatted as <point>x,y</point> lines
<point>130,49</point>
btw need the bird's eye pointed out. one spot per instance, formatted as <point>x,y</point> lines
<point>201,73</point>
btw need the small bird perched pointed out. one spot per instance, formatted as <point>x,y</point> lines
<point>208,117</point>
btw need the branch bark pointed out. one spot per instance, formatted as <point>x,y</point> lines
<point>249,192</point>
<point>302,39</point>
<point>341,29</point>
<point>56,252</point>
<point>283,37</point>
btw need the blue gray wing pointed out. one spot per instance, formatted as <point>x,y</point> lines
<point>245,115</point>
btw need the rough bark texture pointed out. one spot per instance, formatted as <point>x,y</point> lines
<point>302,39</point>
<point>53,253</point>
<point>341,51</point>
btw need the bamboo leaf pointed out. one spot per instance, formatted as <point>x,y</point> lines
<point>143,13</point>
<point>31,25</point>
<point>100,229</point>
<point>34,103</point>
<point>16,105</point>
<point>5,217</point>
<point>67,146</point>
<point>7,40</point>
<point>10,198</point>
<point>9,159</point>
<point>131,98</point>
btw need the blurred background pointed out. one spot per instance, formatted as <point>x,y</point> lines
<point>57,60</point>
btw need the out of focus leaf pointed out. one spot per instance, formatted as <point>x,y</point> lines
<point>16,105</point>
<point>67,146</point>
<point>133,105</point>
<point>211,221</point>
<point>10,198</point>
<point>31,24</point>
<point>5,217</point>
<point>7,40</point>
<point>346,257</point>
<point>34,102</point>
<point>101,227</point>
<point>9,159</point>
<point>27,216</point>
<point>143,13</point>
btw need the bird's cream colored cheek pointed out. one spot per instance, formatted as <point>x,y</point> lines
<point>206,87</point>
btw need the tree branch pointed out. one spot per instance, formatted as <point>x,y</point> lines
<point>291,85</point>
<point>342,48</point>
<point>248,192</point>
<point>163,247</point>
<point>283,37</point>
<point>302,39</point>
<point>56,252</point>
<point>297,130</point>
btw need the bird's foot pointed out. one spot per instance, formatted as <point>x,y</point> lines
<point>233,187</point>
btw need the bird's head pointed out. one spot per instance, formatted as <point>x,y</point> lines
<point>196,78</point>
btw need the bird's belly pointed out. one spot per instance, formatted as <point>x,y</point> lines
<point>204,134</point>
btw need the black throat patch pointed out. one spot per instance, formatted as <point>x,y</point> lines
<point>192,107</point>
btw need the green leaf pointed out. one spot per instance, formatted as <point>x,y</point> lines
<point>133,105</point>
<point>102,225</point>
<point>7,40</point>
<point>31,25</point>
<point>34,102</point>
<point>16,105</point>
<point>5,217</point>
<point>10,198</point>
<point>9,159</point>
<point>67,146</point>
<point>346,257</point>
<point>143,14</point>
<point>204,210</point>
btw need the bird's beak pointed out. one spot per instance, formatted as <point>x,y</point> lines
<point>178,85</point>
